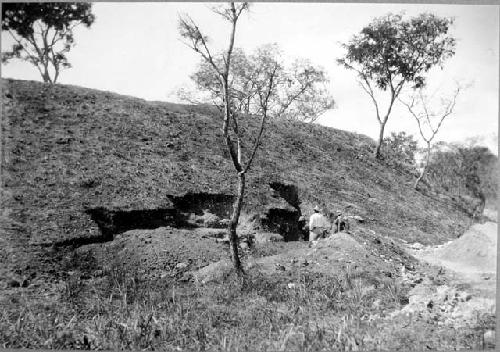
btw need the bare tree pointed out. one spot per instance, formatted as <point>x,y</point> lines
<point>199,43</point>
<point>429,119</point>
<point>258,93</point>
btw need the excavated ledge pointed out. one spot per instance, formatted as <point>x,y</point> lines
<point>197,203</point>
<point>288,192</point>
<point>113,222</point>
<point>283,219</point>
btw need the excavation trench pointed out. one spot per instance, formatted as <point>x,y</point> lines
<point>194,210</point>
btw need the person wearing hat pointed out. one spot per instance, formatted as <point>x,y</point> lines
<point>318,225</point>
<point>303,228</point>
<point>340,223</point>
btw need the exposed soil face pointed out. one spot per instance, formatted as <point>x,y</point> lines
<point>218,204</point>
<point>114,222</point>
<point>289,192</point>
<point>282,221</point>
<point>283,218</point>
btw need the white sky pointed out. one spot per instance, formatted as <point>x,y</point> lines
<point>135,49</point>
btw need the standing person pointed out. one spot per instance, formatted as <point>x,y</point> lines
<point>318,225</point>
<point>341,223</point>
<point>303,229</point>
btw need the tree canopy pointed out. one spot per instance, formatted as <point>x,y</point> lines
<point>43,33</point>
<point>393,51</point>
<point>299,91</point>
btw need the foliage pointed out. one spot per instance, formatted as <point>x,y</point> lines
<point>391,52</point>
<point>400,147</point>
<point>429,116</point>
<point>299,92</point>
<point>465,170</point>
<point>43,33</point>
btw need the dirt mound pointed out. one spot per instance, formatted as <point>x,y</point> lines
<point>474,252</point>
<point>327,256</point>
<point>161,252</point>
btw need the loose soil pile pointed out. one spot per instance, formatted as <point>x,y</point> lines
<point>474,252</point>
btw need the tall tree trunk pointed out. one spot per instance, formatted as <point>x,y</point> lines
<point>46,74</point>
<point>424,169</point>
<point>233,237</point>
<point>380,138</point>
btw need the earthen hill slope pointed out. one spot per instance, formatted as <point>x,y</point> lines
<point>68,151</point>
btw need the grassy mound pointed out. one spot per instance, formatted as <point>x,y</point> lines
<point>67,149</point>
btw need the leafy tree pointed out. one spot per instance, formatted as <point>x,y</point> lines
<point>392,52</point>
<point>401,147</point>
<point>43,33</point>
<point>299,91</point>
<point>429,117</point>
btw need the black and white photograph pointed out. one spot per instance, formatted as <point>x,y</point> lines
<point>249,176</point>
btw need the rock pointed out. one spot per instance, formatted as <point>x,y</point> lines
<point>244,245</point>
<point>417,246</point>
<point>181,266</point>
<point>357,218</point>
<point>214,272</point>
<point>210,220</point>
<point>265,237</point>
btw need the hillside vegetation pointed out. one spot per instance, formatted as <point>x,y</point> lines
<point>67,149</point>
<point>95,257</point>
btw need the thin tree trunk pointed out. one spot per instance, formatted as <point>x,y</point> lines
<point>424,169</point>
<point>233,237</point>
<point>46,76</point>
<point>380,139</point>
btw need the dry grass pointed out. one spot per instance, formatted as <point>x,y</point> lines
<point>299,311</point>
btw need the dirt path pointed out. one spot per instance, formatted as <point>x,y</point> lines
<point>469,263</point>
<point>470,259</point>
